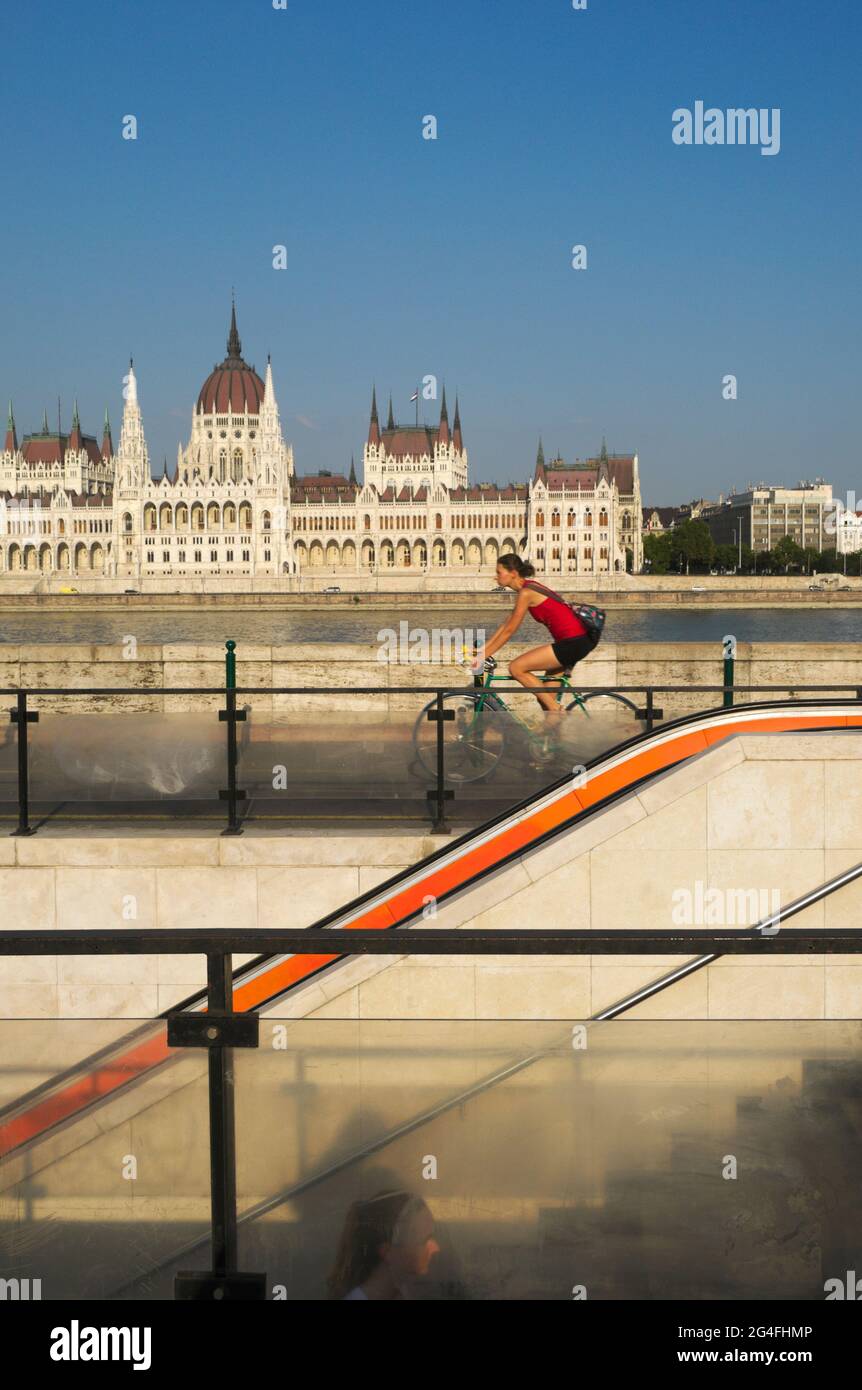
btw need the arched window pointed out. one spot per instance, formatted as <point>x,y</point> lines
<point>127,522</point>
<point>603,517</point>
<point>588,517</point>
<point>540,518</point>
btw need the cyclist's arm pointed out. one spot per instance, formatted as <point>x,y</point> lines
<point>508,629</point>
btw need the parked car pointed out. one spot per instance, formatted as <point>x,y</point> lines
<point>131,591</point>
<point>818,588</point>
<point>698,588</point>
<point>332,589</point>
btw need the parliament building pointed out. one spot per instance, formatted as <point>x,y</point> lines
<point>234,505</point>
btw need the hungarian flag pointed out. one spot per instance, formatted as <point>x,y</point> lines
<point>415,396</point>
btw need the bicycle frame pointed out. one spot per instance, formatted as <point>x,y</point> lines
<point>561,680</point>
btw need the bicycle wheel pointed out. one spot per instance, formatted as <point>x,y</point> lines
<point>473,741</point>
<point>604,703</point>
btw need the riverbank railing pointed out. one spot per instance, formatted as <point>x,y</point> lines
<point>462,740</point>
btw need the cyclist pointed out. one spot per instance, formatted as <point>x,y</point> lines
<point>570,643</point>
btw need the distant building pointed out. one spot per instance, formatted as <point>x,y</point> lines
<point>764,515</point>
<point>585,517</point>
<point>848,531</point>
<point>657,520</point>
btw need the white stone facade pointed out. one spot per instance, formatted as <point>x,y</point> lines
<point>235,508</point>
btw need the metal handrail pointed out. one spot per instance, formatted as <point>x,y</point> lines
<point>339,689</point>
<point>436,941</point>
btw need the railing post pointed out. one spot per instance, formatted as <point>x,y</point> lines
<point>650,709</point>
<point>231,716</point>
<point>21,716</point>
<point>439,794</point>
<point>729,650</point>
<point>222,1125</point>
<point>649,714</point>
<point>219,1030</point>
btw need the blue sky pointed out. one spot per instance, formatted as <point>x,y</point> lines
<point>453,257</point>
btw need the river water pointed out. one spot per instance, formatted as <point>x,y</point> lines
<point>271,628</point>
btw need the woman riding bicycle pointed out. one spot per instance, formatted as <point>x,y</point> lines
<point>571,641</point>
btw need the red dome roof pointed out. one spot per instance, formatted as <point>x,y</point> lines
<point>233,384</point>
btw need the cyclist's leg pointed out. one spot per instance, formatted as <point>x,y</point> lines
<point>522,670</point>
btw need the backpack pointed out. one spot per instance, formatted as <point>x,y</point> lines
<point>592,618</point>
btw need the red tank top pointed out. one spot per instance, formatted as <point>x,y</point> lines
<point>556,615</point>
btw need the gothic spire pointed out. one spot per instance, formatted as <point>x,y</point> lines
<point>603,471</point>
<point>11,436</point>
<point>107,442</point>
<point>540,456</point>
<point>374,427</point>
<point>456,427</point>
<point>390,423</point>
<point>234,346</point>
<point>443,432</point>
<point>352,477</point>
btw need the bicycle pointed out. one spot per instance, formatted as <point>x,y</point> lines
<point>474,745</point>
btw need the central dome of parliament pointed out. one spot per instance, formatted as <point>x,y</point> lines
<point>233,383</point>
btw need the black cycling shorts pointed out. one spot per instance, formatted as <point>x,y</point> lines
<point>570,650</point>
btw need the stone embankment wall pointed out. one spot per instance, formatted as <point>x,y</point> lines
<point>348,667</point>
<point>449,587</point>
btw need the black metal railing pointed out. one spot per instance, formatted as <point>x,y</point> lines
<point>641,702</point>
<point>220,1029</point>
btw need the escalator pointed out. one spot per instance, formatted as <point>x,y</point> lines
<point>450,871</point>
<point>136,1095</point>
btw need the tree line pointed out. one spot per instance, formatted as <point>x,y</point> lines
<point>690,549</point>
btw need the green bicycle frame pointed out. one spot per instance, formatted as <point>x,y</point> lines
<point>490,678</point>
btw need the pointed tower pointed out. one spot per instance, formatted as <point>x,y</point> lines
<point>11,445</point>
<point>107,441</point>
<point>45,429</point>
<point>540,455</point>
<point>352,478</point>
<point>272,516</point>
<point>374,427</point>
<point>234,346</point>
<point>390,423</point>
<point>269,464</point>
<point>457,440</point>
<point>443,432</point>
<point>133,463</point>
<point>603,473</point>
<point>75,440</point>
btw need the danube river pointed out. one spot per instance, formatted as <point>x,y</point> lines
<point>270,628</point>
